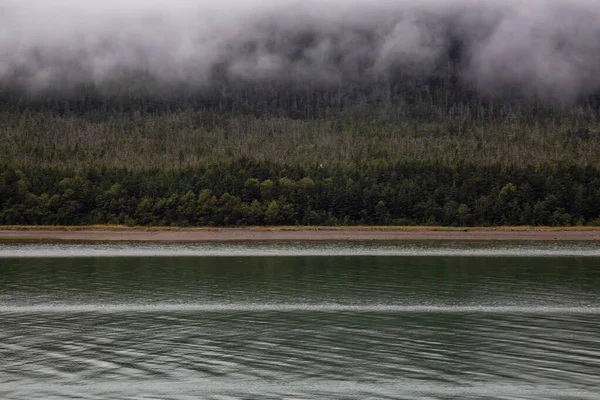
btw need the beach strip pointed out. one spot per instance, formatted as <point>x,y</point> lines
<point>295,234</point>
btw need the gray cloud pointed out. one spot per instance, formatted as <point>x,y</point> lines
<point>549,48</point>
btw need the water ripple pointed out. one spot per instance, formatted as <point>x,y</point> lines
<point>300,328</point>
<point>288,308</point>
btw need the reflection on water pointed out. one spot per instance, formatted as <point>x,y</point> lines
<point>300,327</point>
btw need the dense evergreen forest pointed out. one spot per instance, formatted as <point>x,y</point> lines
<point>402,152</point>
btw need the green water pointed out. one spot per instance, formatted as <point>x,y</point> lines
<point>298,326</point>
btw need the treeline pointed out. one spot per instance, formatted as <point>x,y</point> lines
<point>191,139</point>
<point>137,122</point>
<point>442,96</point>
<point>246,192</point>
<point>403,152</point>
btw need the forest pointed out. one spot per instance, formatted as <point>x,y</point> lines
<point>397,152</point>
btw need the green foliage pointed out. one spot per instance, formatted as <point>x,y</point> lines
<point>272,216</point>
<point>267,190</point>
<point>244,192</point>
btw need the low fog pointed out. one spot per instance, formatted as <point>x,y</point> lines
<point>548,48</point>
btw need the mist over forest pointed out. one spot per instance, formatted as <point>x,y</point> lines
<point>549,49</point>
<point>451,112</point>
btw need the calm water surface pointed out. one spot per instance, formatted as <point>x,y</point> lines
<point>439,321</point>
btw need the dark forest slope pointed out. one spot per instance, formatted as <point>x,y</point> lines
<point>428,151</point>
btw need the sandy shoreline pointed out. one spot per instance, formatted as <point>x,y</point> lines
<point>299,234</point>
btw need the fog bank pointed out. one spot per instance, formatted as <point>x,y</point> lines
<point>547,48</point>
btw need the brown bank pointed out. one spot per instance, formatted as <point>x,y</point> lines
<point>275,234</point>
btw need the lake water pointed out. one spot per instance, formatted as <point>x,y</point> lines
<point>336,321</point>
